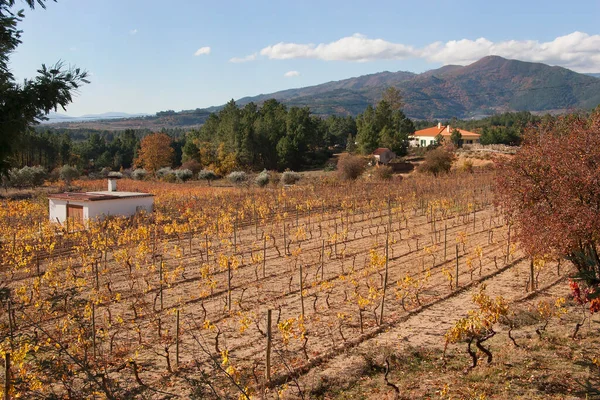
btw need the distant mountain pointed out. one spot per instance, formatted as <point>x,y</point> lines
<point>488,86</point>
<point>594,74</point>
<point>57,117</point>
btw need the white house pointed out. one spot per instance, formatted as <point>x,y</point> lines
<point>427,136</point>
<point>96,205</point>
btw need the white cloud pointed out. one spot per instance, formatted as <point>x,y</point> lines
<point>73,48</point>
<point>202,51</point>
<point>578,51</point>
<point>133,31</point>
<point>352,48</point>
<point>250,57</point>
<point>291,74</point>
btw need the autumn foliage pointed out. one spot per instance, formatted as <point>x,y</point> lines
<point>155,152</point>
<point>551,191</point>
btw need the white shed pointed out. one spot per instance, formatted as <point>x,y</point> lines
<point>96,205</point>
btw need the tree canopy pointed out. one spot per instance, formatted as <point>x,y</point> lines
<point>24,104</point>
<point>384,126</point>
<point>155,152</point>
<point>550,190</point>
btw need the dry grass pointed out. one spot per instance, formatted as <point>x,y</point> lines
<point>547,366</point>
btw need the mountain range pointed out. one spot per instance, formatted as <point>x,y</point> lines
<point>54,117</point>
<point>486,87</point>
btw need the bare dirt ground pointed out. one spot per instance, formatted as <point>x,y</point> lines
<point>323,278</point>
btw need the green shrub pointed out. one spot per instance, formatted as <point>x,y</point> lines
<point>115,174</point>
<point>207,175</point>
<point>68,173</point>
<point>237,177</point>
<point>329,167</point>
<point>262,179</point>
<point>290,177</point>
<point>139,174</point>
<point>183,174</point>
<point>164,173</point>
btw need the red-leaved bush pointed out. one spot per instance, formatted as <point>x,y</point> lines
<point>550,191</point>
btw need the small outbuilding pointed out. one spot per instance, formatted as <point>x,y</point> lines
<point>81,207</point>
<point>383,155</point>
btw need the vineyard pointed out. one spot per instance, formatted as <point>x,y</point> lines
<point>236,292</point>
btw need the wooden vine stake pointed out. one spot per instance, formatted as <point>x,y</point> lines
<point>235,234</point>
<point>96,272</point>
<point>160,277</point>
<point>7,355</point>
<point>385,277</point>
<point>264,260</point>
<point>7,376</point>
<point>284,239</point>
<point>177,340</point>
<point>508,245</point>
<point>301,291</point>
<point>445,234</point>
<point>532,275</point>
<point>94,329</point>
<point>229,285</point>
<point>268,355</point>
<point>456,278</point>
<point>323,259</point>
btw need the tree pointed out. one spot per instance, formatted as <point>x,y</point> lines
<point>551,193</point>
<point>350,144</point>
<point>368,135</point>
<point>155,152</point>
<point>25,104</point>
<point>439,139</point>
<point>393,97</point>
<point>395,136</point>
<point>68,173</point>
<point>456,137</point>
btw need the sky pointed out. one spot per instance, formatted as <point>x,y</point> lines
<point>145,56</point>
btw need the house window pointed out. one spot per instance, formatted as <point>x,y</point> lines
<point>423,143</point>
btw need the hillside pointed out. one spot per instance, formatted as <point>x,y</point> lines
<point>488,86</point>
<point>162,120</point>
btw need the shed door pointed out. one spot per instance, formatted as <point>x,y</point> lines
<point>75,213</point>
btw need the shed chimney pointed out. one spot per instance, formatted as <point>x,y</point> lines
<point>448,128</point>
<point>112,185</point>
<point>439,125</point>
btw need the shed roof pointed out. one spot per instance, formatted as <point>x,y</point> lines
<point>380,151</point>
<point>97,196</point>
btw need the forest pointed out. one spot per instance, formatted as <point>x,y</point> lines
<point>270,136</point>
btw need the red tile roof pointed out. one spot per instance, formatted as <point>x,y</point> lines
<point>434,131</point>
<point>380,151</point>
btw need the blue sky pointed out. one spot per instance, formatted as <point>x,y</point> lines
<point>141,53</point>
